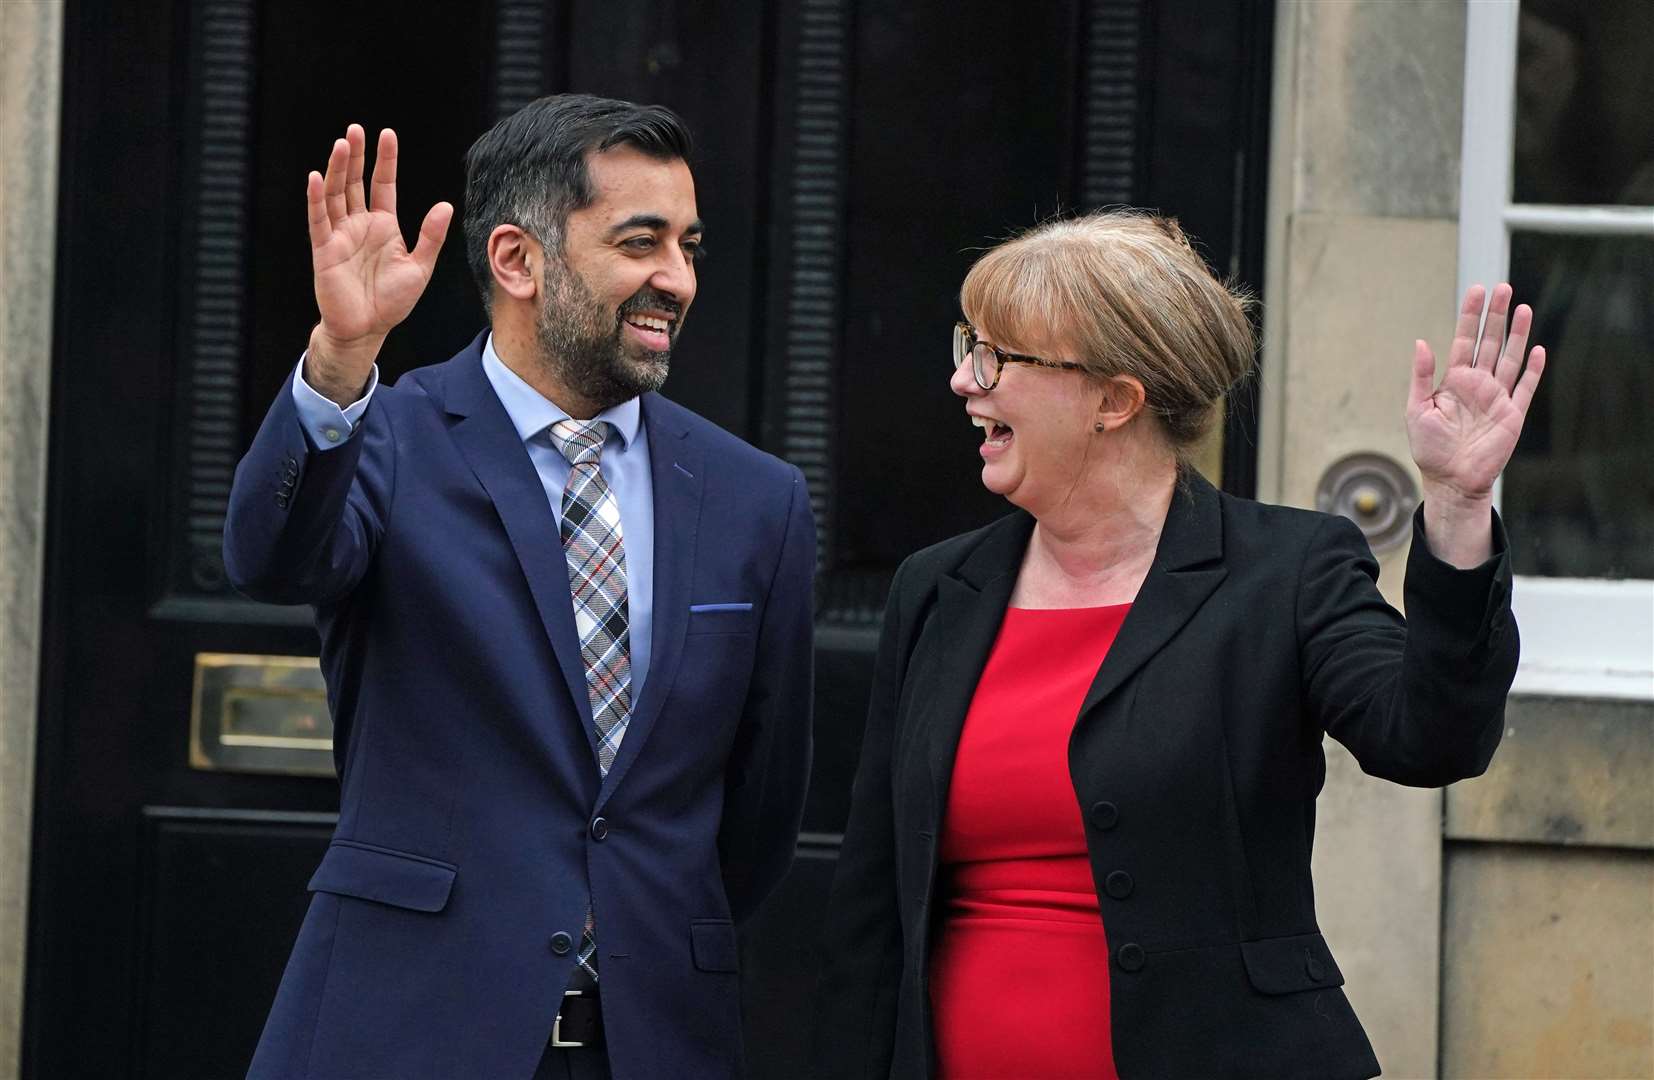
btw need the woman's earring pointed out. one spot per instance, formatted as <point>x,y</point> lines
<point>1099,426</point>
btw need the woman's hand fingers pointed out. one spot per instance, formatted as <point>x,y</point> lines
<point>1493,331</point>
<point>1522,395</point>
<point>1462,353</point>
<point>1424,376</point>
<point>1510,360</point>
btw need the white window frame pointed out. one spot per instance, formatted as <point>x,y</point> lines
<point>1580,636</point>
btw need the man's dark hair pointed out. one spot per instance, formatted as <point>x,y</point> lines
<point>530,170</point>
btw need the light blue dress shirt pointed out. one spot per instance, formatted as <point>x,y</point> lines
<point>624,464</point>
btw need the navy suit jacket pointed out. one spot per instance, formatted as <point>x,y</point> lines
<point>437,942</point>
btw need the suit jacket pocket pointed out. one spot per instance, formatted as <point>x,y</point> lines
<point>712,944</point>
<point>730,618</point>
<point>386,876</point>
<point>1286,965</point>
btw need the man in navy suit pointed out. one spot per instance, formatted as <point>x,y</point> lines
<point>565,625</point>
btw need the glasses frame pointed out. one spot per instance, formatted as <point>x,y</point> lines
<point>965,344</point>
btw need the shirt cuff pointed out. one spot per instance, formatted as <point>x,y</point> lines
<point>328,425</point>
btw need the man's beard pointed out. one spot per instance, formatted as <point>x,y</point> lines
<point>583,342</point>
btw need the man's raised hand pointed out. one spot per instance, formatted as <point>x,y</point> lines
<point>367,280</point>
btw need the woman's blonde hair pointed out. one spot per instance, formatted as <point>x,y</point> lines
<point>1127,292</point>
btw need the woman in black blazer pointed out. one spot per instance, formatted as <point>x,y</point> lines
<point>1094,353</point>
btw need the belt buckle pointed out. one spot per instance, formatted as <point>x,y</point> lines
<point>557,1039</point>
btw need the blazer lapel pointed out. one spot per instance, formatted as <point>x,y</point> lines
<point>970,606</point>
<point>490,445</point>
<point>1187,567</point>
<point>675,470</point>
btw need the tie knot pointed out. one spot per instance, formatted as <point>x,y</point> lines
<point>579,440</point>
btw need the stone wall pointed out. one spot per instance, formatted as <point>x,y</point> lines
<point>30,48</point>
<point>1363,242</point>
<point>1519,940</point>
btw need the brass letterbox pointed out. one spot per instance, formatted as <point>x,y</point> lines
<point>260,714</point>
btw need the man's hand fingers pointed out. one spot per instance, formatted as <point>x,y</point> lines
<point>432,232</point>
<point>1493,331</point>
<point>321,229</point>
<point>1522,396</point>
<point>1424,376</point>
<point>1510,360</point>
<point>333,184</point>
<point>355,197</point>
<point>384,173</point>
<point>1463,350</point>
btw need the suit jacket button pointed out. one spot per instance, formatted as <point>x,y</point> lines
<point>281,500</point>
<point>1130,957</point>
<point>1105,815</point>
<point>600,828</point>
<point>1119,884</point>
<point>1313,967</point>
<point>561,943</point>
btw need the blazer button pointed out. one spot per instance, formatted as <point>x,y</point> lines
<point>1119,884</point>
<point>1313,967</point>
<point>561,943</point>
<point>1130,957</point>
<point>600,828</point>
<point>1105,815</point>
<point>281,500</point>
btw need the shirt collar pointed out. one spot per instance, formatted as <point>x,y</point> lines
<point>532,412</point>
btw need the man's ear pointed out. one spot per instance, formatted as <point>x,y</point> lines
<point>1123,398</point>
<point>513,256</point>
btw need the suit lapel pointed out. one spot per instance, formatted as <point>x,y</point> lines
<point>970,606</point>
<point>490,445</point>
<point>1187,567</point>
<point>675,463</point>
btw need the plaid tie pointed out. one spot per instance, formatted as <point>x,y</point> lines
<point>597,581</point>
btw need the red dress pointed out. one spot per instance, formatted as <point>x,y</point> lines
<point>1019,971</point>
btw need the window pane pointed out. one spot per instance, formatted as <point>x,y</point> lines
<point>1584,83</point>
<point>1579,493</point>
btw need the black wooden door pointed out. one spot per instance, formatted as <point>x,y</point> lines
<point>851,155</point>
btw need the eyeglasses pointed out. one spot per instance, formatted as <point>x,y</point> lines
<point>988,362</point>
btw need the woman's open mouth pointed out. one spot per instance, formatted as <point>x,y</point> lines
<point>996,433</point>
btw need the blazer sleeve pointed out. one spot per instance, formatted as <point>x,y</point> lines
<point>1418,701</point>
<point>768,772</point>
<point>303,524</point>
<point>861,947</point>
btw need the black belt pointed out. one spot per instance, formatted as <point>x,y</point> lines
<point>579,1022</point>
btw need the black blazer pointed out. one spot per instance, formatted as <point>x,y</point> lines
<point>1195,758</point>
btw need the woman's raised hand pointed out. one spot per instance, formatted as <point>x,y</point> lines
<point>1463,430</point>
